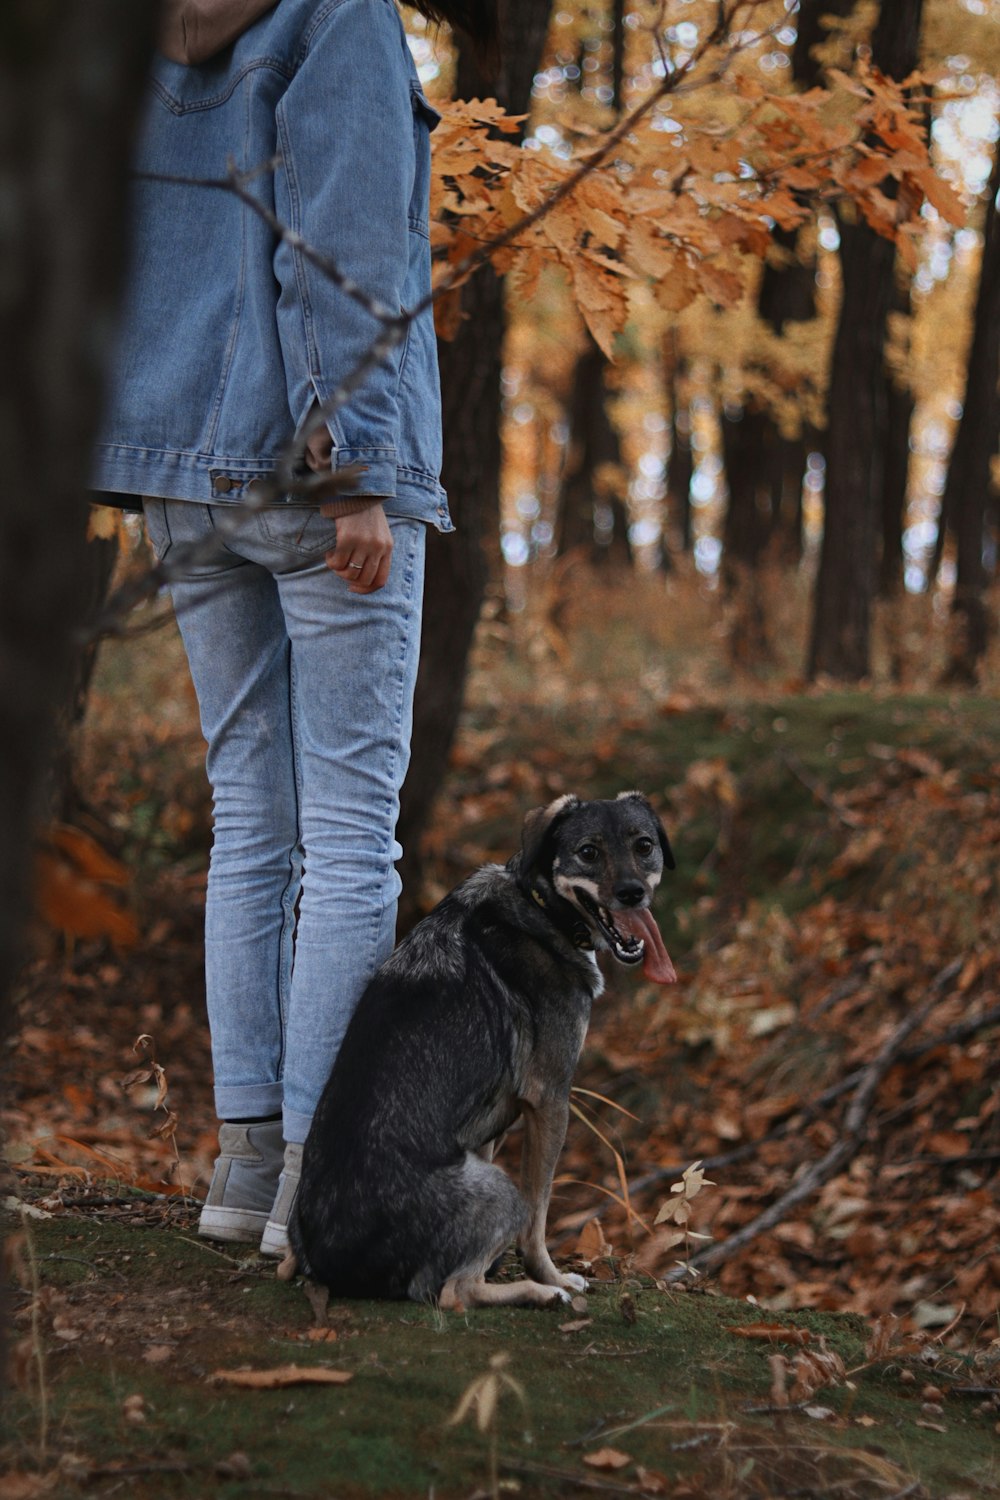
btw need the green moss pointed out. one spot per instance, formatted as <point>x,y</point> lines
<point>386,1432</point>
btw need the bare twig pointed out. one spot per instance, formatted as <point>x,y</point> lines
<point>843,1149</point>
<point>798,770</point>
<point>960,1032</point>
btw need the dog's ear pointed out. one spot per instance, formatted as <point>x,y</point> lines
<point>538,826</point>
<point>661,832</point>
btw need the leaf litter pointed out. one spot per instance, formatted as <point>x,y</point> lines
<point>906,1234</point>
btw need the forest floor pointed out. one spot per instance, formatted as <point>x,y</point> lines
<point>830,1054</point>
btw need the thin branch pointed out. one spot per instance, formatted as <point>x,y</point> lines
<point>843,1149</point>
<point>396,324</point>
<point>960,1032</point>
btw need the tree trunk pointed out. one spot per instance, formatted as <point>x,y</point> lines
<point>71,78</point>
<point>967,489</point>
<point>679,519</point>
<point>898,408</point>
<point>71,74</point>
<point>593,444</point>
<point>841,628</point>
<point>787,516</point>
<point>747,444</point>
<point>788,295</point>
<point>458,566</point>
<point>589,514</point>
<point>97,564</point>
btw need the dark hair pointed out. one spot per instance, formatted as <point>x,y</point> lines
<point>477,18</point>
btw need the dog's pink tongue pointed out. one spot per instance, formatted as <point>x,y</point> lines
<point>656,964</point>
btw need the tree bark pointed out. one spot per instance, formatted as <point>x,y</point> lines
<point>765,492</point>
<point>840,643</point>
<point>458,566</point>
<point>593,444</point>
<point>585,517</point>
<point>71,78</point>
<point>967,488</point>
<point>898,408</point>
<point>65,801</point>
<point>747,444</point>
<point>787,294</point>
<point>71,75</point>
<point>679,519</point>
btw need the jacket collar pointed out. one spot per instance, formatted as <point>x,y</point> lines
<point>192,31</point>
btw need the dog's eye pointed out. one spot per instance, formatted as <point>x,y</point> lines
<point>588,853</point>
<point>643,847</point>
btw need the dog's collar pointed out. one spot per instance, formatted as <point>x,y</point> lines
<point>564,916</point>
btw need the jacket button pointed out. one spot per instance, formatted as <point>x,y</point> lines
<point>223,485</point>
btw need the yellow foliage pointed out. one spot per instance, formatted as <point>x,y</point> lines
<point>690,210</point>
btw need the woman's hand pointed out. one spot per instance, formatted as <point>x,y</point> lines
<point>363,553</point>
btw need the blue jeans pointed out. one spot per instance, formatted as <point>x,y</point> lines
<point>306,693</point>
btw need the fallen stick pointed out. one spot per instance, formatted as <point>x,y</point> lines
<point>842,1150</point>
<point>960,1032</point>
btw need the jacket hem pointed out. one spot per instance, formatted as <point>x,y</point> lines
<point>121,474</point>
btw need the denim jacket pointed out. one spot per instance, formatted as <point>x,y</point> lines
<point>228,338</point>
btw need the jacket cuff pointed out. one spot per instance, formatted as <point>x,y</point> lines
<point>377,471</point>
<point>352,507</point>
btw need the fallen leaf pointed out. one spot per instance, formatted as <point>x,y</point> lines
<point>592,1245</point>
<point>651,1482</point>
<point>772,1333</point>
<point>607,1458</point>
<point>158,1354</point>
<point>16,1486</point>
<point>576,1325</point>
<point>236,1466</point>
<point>281,1375</point>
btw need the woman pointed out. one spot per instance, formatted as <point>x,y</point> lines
<point>300,622</point>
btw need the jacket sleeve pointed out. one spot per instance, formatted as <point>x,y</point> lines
<point>346,141</point>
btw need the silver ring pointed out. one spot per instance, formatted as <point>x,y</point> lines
<point>355,565</point>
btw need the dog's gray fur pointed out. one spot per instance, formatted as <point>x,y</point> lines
<point>476,1019</point>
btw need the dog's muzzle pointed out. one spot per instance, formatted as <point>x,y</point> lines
<point>632,936</point>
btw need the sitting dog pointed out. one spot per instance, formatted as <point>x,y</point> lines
<point>477,1018</point>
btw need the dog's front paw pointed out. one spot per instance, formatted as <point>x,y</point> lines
<point>559,1297</point>
<point>574,1283</point>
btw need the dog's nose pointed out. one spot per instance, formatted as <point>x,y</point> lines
<point>630,892</point>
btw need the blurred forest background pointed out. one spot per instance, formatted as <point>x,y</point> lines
<point>722,432</point>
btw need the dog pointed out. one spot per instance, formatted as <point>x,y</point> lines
<point>477,1018</point>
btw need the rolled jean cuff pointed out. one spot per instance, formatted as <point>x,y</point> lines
<point>295,1127</point>
<point>248,1101</point>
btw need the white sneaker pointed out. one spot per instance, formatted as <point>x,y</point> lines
<point>275,1236</point>
<point>244,1182</point>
